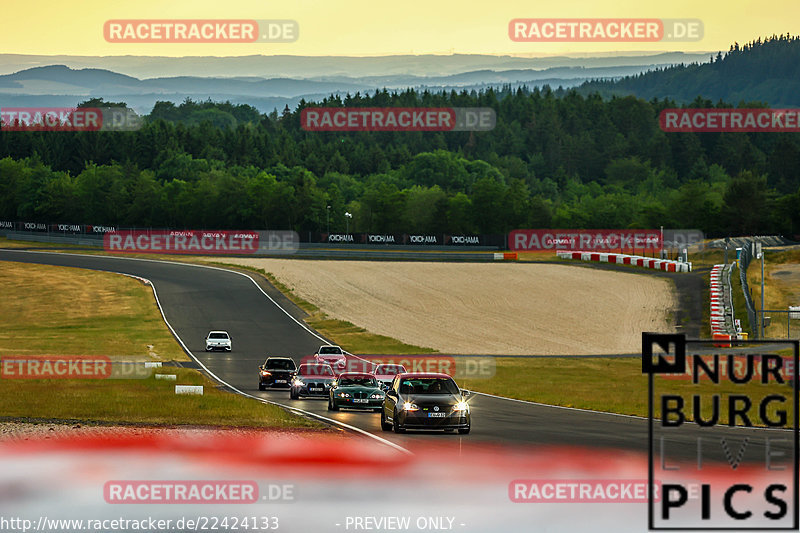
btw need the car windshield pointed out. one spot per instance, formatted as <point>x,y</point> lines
<point>364,381</point>
<point>316,370</point>
<point>428,386</point>
<point>279,364</point>
<point>330,350</point>
<point>389,370</point>
<point>217,335</point>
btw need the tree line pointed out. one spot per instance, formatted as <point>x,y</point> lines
<point>553,161</point>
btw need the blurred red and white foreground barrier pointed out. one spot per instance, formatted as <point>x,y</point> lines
<point>174,480</point>
<point>667,265</point>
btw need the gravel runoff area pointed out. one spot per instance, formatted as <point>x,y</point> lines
<point>15,431</point>
<point>486,308</point>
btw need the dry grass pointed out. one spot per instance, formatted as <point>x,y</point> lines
<point>140,401</point>
<point>71,311</point>
<point>782,288</point>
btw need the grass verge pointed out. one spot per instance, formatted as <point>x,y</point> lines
<point>141,401</point>
<point>70,311</point>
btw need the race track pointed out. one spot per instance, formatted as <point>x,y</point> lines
<point>197,299</point>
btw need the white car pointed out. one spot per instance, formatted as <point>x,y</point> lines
<point>218,340</point>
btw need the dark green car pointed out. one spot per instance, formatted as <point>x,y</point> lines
<point>355,390</point>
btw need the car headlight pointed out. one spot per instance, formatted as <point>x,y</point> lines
<point>377,396</point>
<point>344,395</point>
<point>408,406</point>
<point>265,373</point>
<point>461,406</point>
<point>298,382</point>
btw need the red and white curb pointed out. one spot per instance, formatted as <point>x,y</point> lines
<point>666,265</point>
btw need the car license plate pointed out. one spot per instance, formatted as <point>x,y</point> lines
<point>436,415</point>
<point>315,389</point>
<point>360,400</point>
<point>280,381</point>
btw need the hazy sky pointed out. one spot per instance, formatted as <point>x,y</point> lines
<point>379,27</point>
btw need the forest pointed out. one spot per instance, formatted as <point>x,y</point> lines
<point>556,159</point>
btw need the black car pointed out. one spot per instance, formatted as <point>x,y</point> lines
<point>425,401</point>
<point>276,372</point>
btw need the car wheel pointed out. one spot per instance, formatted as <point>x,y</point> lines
<point>396,425</point>
<point>332,406</point>
<point>261,387</point>
<point>293,395</point>
<point>449,430</point>
<point>464,431</point>
<point>386,426</point>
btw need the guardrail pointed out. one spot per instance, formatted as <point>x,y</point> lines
<point>744,262</point>
<point>666,265</point>
<point>722,317</point>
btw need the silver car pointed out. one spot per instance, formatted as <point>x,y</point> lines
<point>312,379</point>
<point>218,340</point>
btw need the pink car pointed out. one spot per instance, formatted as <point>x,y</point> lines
<point>333,355</point>
<point>386,373</point>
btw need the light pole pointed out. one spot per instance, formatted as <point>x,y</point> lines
<point>328,218</point>
<point>761,256</point>
<point>347,217</point>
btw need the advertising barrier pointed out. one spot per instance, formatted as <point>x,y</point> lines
<point>410,239</point>
<point>534,240</point>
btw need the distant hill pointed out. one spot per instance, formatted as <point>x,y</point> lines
<point>263,81</point>
<point>761,71</point>
<point>286,66</point>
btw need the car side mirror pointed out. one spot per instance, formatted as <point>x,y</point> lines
<point>465,393</point>
<point>261,367</point>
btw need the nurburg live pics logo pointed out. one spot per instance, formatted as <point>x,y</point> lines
<point>723,446</point>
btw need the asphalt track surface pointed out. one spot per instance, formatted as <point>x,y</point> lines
<point>197,299</point>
